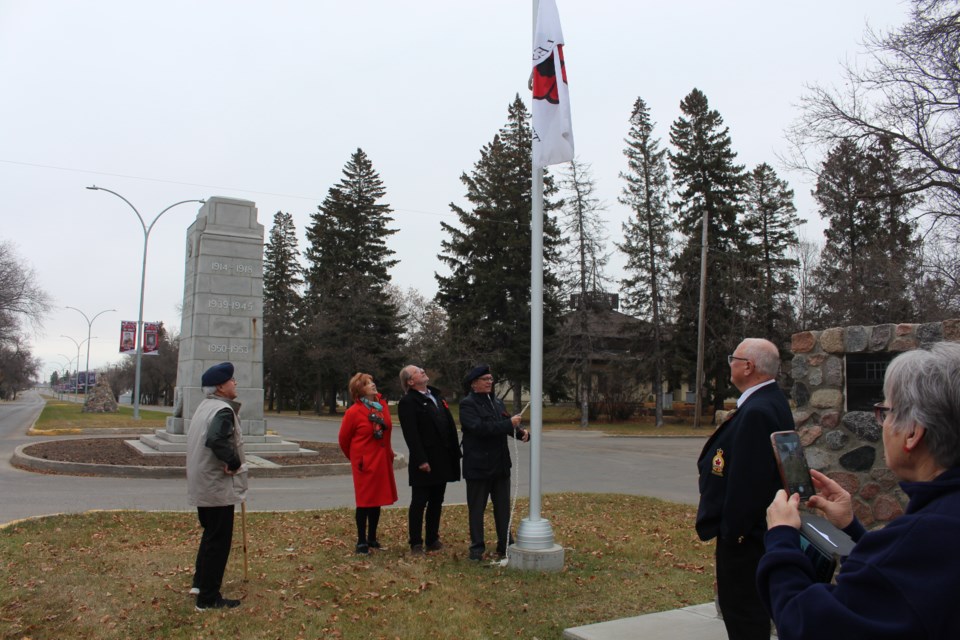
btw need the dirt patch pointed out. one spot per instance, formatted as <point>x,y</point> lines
<point>113,451</point>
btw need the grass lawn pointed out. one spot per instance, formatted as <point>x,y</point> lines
<point>59,416</point>
<point>126,575</point>
<point>66,417</point>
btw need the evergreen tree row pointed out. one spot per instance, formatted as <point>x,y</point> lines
<point>340,313</point>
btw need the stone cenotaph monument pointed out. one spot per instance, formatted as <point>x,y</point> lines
<point>222,321</point>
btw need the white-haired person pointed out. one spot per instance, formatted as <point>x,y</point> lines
<point>903,580</point>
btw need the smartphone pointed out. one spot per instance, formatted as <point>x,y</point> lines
<point>792,463</point>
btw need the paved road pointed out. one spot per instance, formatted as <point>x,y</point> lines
<point>571,461</point>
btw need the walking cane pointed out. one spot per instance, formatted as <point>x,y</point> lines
<point>243,526</point>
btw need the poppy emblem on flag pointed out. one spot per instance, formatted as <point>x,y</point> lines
<point>545,78</point>
<point>551,124</point>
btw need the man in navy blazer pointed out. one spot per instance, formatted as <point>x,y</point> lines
<point>738,479</point>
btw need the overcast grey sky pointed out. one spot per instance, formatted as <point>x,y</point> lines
<point>265,101</point>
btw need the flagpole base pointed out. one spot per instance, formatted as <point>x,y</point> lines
<point>550,559</point>
<point>534,534</point>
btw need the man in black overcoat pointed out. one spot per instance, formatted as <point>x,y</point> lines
<point>431,436</point>
<point>738,479</point>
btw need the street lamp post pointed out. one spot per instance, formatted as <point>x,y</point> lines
<point>143,281</point>
<point>86,374</point>
<point>76,382</point>
<point>69,360</point>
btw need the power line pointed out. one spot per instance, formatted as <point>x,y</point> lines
<point>204,186</point>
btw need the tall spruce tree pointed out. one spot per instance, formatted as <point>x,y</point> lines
<point>709,183</point>
<point>487,294</point>
<point>283,367</point>
<point>581,272</point>
<point>771,221</point>
<point>353,324</point>
<point>646,238</point>
<point>870,256</point>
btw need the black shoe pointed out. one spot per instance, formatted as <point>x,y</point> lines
<point>374,544</point>
<point>219,603</point>
<point>363,548</point>
<point>416,549</point>
<point>476,554</point>
<point>435,546</point>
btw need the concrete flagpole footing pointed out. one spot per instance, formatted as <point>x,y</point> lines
<point>535,559</point>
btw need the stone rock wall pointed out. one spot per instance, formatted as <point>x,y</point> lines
<point>847,445</point>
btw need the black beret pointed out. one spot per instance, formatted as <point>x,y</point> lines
<point>476,372</point>
<point>217,374</point>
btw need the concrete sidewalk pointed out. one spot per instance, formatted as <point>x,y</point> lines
<point>699,622</point>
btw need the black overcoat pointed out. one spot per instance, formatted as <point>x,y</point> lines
<point>431,436</point>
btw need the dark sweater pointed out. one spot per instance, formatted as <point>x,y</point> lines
<point>901,581</point>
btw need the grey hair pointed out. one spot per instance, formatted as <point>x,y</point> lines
<point>764,354</point>
<point>208,391</point>
<point>923,386</point>
<point>405,376</point>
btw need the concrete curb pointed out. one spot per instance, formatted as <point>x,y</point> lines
<point>25,461</point>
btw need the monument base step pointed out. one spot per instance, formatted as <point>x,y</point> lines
<point>163,443</point>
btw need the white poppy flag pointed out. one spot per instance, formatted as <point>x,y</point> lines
<point>552,124</point>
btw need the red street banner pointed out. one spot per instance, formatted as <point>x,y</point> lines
<point>552,123</point>
<point>128,336</point>
<point>151,338</point>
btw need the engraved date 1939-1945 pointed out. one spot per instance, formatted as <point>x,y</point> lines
<point>226,304</point>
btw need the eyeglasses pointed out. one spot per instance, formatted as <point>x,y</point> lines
<point>880,412</point>
<point>731,358</point>
<point>485,378</point>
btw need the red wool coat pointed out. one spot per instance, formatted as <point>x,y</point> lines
<point>370,459</point>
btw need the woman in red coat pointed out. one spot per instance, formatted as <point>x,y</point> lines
<point>365,440</point>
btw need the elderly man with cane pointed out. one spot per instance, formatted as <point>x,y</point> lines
<point>216,480</point>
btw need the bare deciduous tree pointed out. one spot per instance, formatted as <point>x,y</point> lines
<point>21,298</point>
<point>905,91</point>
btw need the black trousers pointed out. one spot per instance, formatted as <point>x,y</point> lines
<point>429,499</point>
<point>217,523</point>
<point>498,490</point>
<point>368,518</point>
<point>743,611</point>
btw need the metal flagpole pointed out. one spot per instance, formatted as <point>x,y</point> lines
<point>534,532</point>
<point>701,322</point>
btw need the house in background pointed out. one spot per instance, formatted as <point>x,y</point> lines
<point>606,355</point>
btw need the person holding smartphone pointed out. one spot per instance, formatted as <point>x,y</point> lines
<point>900,581</point>
<point>738,478</point>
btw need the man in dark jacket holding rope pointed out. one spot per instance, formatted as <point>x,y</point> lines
<point>486,457</point>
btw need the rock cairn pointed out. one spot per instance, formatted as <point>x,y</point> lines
<point>100,398</point>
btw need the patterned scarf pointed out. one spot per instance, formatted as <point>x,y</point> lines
<point>371,404</point>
